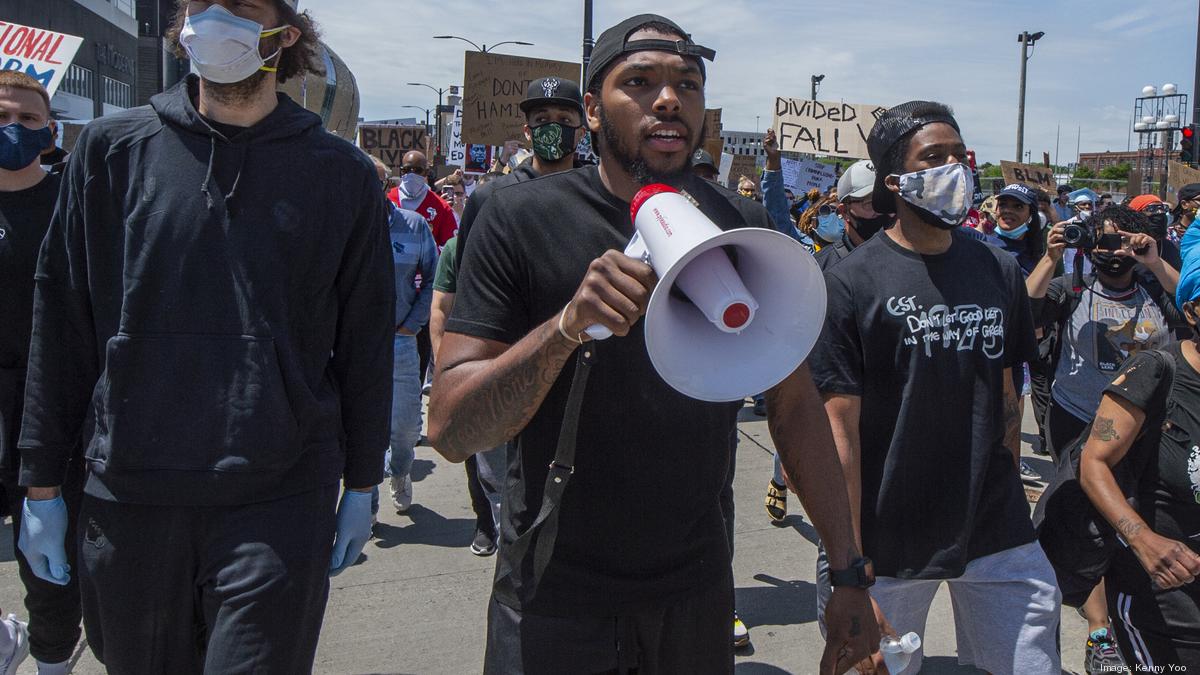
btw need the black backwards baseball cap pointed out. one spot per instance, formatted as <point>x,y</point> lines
<point>615,41</point>
<point>552,91</point>
<point>1188,192</point>
<point>890,129</point>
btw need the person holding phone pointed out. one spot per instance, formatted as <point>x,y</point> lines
<point>1097,327</point>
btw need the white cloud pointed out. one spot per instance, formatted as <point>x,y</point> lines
<point>1085,73</point>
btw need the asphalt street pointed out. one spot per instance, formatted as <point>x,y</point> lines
<point>416,602</point>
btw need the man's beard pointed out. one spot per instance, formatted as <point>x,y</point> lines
<point>632,160</point>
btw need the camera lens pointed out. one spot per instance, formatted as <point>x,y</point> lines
<point>1072,235</point>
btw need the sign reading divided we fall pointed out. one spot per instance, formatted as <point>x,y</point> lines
<point>824,127</point>
<point>41,54</point>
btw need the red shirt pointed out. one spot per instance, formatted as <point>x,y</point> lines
<point>436,211</point>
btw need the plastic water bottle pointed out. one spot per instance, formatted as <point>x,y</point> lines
<point>897,652</point>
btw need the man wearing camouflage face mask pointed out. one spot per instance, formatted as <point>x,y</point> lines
<point>553,110</point>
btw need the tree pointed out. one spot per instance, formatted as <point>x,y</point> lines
<point>989,170</point>
<point>1116,172</point>
<point>1084,172</point>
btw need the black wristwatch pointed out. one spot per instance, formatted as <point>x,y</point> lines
<point>860,574</point>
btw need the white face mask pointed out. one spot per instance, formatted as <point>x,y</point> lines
<point>223,47</point>
<point>945,192</point>
<point>413,185</point>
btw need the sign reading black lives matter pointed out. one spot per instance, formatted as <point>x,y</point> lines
<point>824,128</point>
<point>494,85</point>
<point>390,143</point>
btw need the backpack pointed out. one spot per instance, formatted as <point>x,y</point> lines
<point>1076,538</point>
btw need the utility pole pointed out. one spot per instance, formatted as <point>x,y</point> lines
<point>1027,40</point>
<point>1057,135</point>
<point>816,80</point>
<point>588,42</point>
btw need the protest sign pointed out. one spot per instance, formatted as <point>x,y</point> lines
<point>1032,175</point>
<point>41,54</point>
<point>741,165</point>
<point>803,175</point>
<point>390,143</point>
<point>494,86</point>
<point>712,143</point>
<point>724,165</point>
<point>456,150</point>
<point>478,158</point>
<point>1178,175</point>
<point>824,128</point>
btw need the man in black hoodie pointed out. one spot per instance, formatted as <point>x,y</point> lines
<point>222,341</point>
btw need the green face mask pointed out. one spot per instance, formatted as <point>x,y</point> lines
<point>552,141</point>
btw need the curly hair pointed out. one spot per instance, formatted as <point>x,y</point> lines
<point>302,57</point>
<point>1124,219</point>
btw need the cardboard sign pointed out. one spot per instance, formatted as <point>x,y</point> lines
<point>741,165</point>
<point>1178,175</point>
<point>494,86</point>
<point>824,128</point>
<point>456,150</point>
<point>41,54</point>
<point>390,143</point>
<point>1032,175</point>
<point>803,175</point>
<point>723,167</point>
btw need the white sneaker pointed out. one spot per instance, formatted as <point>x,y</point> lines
<point>20,645</point>
<point>401,493</point>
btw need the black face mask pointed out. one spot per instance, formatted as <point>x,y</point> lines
<point>1111,264</point>
<point>1158,226</point>
<point>867,227</point>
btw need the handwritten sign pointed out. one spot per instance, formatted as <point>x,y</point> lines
<point>741,165</point>
<point>1178,175</point>
<point>390,143</point>
<point>725,164</point>
<point>824,128</point>
<point>802,175</point>
<point>41,54</point>
<point>1033,175</point>
<point>495,85</point>
<point>456,150</point>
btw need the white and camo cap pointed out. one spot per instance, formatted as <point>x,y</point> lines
<point>857,182</point>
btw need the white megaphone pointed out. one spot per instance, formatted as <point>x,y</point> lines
<point>736,328</point>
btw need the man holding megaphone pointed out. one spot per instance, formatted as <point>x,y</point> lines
<point>607,574</point>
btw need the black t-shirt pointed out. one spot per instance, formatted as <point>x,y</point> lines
<point>640,521</point>
<point>924,341</point>
<point>1168,489</point>
<point>24,219</point>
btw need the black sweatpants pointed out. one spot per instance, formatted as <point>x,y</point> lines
<point>180,589</point>
<point>688,635</point>
<point>54,611</point>
<point>1041,378</point>
<point>484,521</point>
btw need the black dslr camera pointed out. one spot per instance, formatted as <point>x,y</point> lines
<point>1083,236</point>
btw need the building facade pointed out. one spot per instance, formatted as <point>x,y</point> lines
<point>1097,161</point>
<point>103,77</point>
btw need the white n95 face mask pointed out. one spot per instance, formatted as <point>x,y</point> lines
<point>223,47</point>
<point>944,192</point>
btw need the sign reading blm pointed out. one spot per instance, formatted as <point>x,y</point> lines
<point>494,86</point>
<point>1031,175</point>
<point>824,128</point>
<point>390,143</point>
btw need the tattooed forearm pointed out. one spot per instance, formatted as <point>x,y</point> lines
<point>503,397</point>
<point>1102,430</point>
<point>1129,528</point>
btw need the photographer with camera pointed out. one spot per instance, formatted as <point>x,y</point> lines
<point>1096,322</point>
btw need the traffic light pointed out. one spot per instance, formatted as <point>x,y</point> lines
<point>1187,152</point>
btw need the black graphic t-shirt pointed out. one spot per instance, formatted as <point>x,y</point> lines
<point>924,341</point>
<point>640,520</point>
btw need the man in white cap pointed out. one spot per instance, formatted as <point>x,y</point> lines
<point>220,341</point>
<point>854,190</point>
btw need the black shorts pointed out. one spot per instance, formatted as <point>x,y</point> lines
<point>1153,627</point>
<point>691,634</point>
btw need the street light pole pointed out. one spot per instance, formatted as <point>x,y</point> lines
<point>1027,40</point>
<point>440,92</point>
<point>816,80</point>
<point>588,43</point>
<point>482,48</point>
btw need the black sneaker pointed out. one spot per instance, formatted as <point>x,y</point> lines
<point>484,543</point>
<point>1102,655</point>
<point>1028,474</point>
<point>760,407</point>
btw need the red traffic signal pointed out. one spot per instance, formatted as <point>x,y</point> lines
<point>1187,145</point>
<point>1188,132</point>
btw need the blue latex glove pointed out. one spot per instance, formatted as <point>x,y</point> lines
<point>353,530</point>
<point>43,537</point>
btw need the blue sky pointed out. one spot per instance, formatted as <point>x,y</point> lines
<point>1086,72</point>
